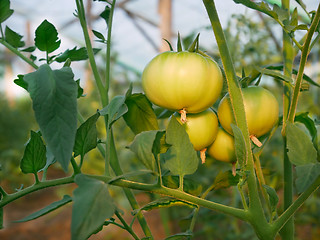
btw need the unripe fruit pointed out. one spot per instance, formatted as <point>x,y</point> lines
<point>222,149</point>
<point>182,80</point>
<point>201,127</point>
<point>261,109</point>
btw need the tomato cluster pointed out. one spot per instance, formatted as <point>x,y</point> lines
<point>190,83</point>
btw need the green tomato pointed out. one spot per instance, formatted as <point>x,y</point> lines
<point>261,109</point>
<point>222,149</point>
<point>201,127</point>
<point>182,80</point>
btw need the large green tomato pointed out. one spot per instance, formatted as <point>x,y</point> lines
<point>261,109</point>
<point>222,149</point>
<point>182,80</point>
<point>201,127</point>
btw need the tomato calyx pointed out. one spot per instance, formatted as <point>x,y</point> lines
<point>255,140</point>
<point>203,155</point>
<point>183,113</point>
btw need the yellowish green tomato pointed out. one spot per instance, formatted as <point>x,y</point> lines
<point>261,109</point>
<point>222,149</point>
<point>201,127</point>
<point>182,80</point>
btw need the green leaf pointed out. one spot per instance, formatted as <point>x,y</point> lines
<point>225,180</point>
<point>275,74</point>
<point>54,97</point>
<point>21,82</point>
<point>300,147</point>
<point>140,116</point>
<point>180,236</point>
<point>47,37</point>
<point>306,175</point>
<point>261,7</point>
<point>115,109</point>
<point>80,89</point>
<point>310,125</point>
<point>142,147</point>
<point>189,185</point>
<point>86,137</point>
<point>240,146</point>
<point>164,202</point>
<point>181,158</point>
<point>92,206</point>
<point>105,14</point>
<point>99,35</point>
<point>53,206</point>
<point>13,38</point>
<point>273,197</point>
<point>75,54</point>
<point>28,49</point>
<point>1,218</point>
<point>34,157</point>
<point>5,11</point>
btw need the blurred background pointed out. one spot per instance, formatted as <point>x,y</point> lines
<point>138,31</point>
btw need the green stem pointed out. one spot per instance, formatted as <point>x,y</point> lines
<point>126,226</point>
<point>18,53</point>
<point>41,185</point>
<point>176,193</point>
<point>114,163</point>
<point>282,219</point>
<point>108,51</point>
<point>82,18</point>
<point>256,212</point>
<point>75,166</point>
<point>303,60</point>
<point>288,57</point>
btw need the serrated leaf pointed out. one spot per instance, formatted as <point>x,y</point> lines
<point>273,197</point>
<point>115,109</point>
<point>225,180</point>
<point>142,147</point>
<point>75,54</point>
<point>5,11</point>
<point>260,6</point>
<point>181,158</point>
<point>53,206</point>
<point>92,206</point>
<point>54,101</point>
<point>240,146</point>
<point>34,157</point>
<point>140,116</point>
<point>306,175</point>
<point>21,82</point>
<point>86,137</point>
<point>47,37</point>
<point>13,38</point>
<point>300,147</point>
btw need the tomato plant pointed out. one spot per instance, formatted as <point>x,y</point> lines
<point>169,167</point>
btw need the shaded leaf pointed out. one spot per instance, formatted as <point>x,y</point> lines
<point>181,158</point>
<point>105,14</point>
<point>53,206</point>
<point>142,146</point>
<point>261,6</point>
<point>54,101</point>
<point>92,206</point>
<point>273,197</point>
<point>140,116</point>
<point>300,147</point>
<point>13,38</point>
<point>225,180</point>
<point>34,157</point>
<point>310,125</point>
<point>306,175</point>
<point>180,236</point>
<point>47,37</point>
<point>86,136</point>
<point>80,89</point>
<point>240,146</point>
<point>99,35</point>
<point>189,185</point>
<point>5,11</point>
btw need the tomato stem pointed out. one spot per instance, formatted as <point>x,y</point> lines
<point>183,113</point>
<point>255,140</point>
